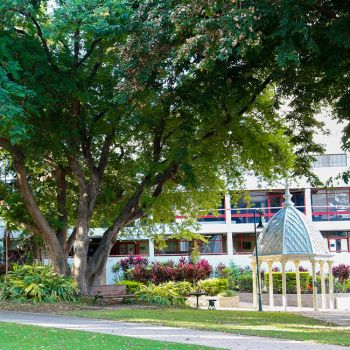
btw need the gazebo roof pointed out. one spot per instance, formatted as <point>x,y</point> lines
<point>290,233</point>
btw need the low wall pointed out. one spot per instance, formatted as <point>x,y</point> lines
<point>306,299</point>
<point>342,301</point>
<point>222,302</point>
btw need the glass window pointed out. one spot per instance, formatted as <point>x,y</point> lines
<point>243,243</point>
<point>219,215</point>
<point>333,205</point>
<point>330,160</point>
<point>338,241</point>
<point>270,202</point>
<point>144,247</point>
<point>214,245</point>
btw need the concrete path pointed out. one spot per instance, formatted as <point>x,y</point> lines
<point>341,318</point>
<point>170,334</point>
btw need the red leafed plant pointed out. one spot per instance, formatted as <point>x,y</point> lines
<point>342,272</point>
<point>157,272</point>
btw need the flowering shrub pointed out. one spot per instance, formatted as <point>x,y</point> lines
<point>140,270</point>
<point>129,262</point>
<point>342,272</point>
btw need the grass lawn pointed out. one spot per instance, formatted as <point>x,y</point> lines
<point>18,337</point>
<point>268,324</point>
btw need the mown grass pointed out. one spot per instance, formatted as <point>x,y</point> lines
<point>267,324</point>
<point>22,337</point>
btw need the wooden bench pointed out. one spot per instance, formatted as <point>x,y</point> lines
<point>110,291</point>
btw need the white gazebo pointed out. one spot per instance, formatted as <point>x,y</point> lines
<point>291,237</point>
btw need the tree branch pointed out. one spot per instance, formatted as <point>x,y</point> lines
<point>43,40</point>
<point>89,52</point>
<point>246,107</point>
<point>70,241</point>
<point>105,154</point>
<point>61,199</point>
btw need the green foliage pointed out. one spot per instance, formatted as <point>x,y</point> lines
<point>182,288</point>
<point>228,293</point>
<point>163,294</point>
<point>213,286</point>
<point>36,283</point>
<point>245,282</point>
<point>140,96</point>
<point>131,286</point>
<point>342,287</point>
<point>291,282</point>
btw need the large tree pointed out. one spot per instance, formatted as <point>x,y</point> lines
<point>113,111</point>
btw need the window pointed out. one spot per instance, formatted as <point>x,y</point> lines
<point>216,245</point>
<point>215,217</point>
<point>338,241</point>
<point>175,247</point>
<point>270,202</point>
<point>330,205</point>
<point>243,243</point>
<point>123,248</point>
<point>330,160</point>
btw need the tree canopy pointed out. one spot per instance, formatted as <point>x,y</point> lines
<point>113,111</point>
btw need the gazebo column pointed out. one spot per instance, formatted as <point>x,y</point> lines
<point>314,288</point>
<point>269,264</point>
<point>297,276</point>
<point>284,285</point>
<point>330,281</point>
<point>323,285</point>
<point>255,299</point>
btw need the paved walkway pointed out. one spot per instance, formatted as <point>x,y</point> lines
<point>341,318</point>
<point>178,335</point>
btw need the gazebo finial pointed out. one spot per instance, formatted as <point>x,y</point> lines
<point>287,197</point>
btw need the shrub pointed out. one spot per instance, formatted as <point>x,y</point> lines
<point>245,282</point>
<point>343,287</point>
<point>291,282</point>
<point>183,288</point>
<point>228,293</point>
<point>318,280</point>
<point>342,272</point>
<point>128,263</point>
<point>131,286</point>
<point>37,283</point>
<point>163,272</point>
<point>163,294</point>
<point>232,273</point>
<point>213,286</point>
<point>193,272</point>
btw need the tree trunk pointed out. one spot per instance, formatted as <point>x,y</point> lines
<point>81,244</point>
<point>56,252</point>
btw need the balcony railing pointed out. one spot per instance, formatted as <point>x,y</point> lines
<point>246,215</point>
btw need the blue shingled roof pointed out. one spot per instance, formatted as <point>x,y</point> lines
<point>290,232</point>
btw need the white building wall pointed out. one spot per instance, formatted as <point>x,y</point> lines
<point>332,143</point>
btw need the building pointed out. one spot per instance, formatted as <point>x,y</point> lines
<point>230,234</point>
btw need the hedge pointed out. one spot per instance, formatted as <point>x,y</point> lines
<point>291,282</point>
<point>213,286</point>
<point>245,282</point>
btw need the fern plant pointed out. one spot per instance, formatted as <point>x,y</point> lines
<point>37,283</point>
